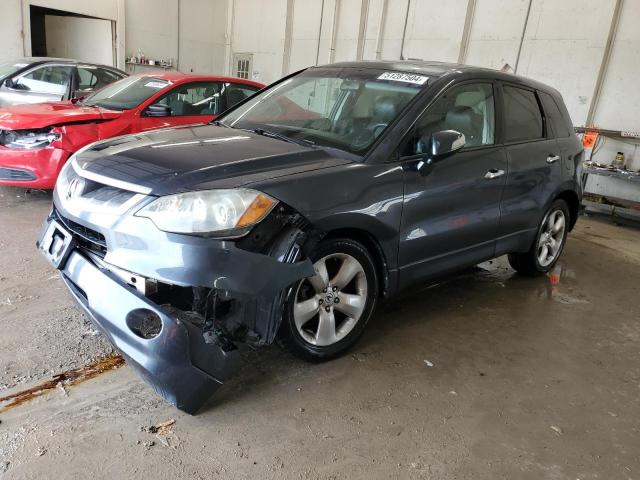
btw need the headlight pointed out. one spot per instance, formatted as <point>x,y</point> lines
<point>29,138</point>
<point>229,213</point>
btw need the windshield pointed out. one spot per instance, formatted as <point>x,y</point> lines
<point>126,94</point>
<point>345,109</point>
<point>7,69</point>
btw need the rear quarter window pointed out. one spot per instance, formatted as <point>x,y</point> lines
<point>554,116</point>
<point>522,115</point>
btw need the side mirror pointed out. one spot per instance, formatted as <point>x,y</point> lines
<point>9,82</point>
<point>444,143</point>
<point>79,95</point>
<point>158,110</point>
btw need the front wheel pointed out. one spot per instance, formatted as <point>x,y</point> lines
<point>549,243</point>
<point>325,314</point>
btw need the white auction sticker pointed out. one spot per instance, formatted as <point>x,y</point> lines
<point>154,84</point>
<point>404,77</point>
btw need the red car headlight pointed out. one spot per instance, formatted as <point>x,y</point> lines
<point>29,139</point>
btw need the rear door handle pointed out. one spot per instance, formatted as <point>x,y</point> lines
<point>553,158</point>
<point>493,173</point>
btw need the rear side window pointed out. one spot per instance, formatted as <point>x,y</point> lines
<point>552,111</point>
<point>522,116</point>
<point>236,93</point>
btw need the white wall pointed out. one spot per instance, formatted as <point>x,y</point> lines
<point>565,53</point>
<point>15,20</point>
<point>85,39</point>
<point>202,36</point>
<point>563,45</point>
<point>619,105</point>
<point>10,27</point>
<point>152,28</point>
<point>258,28</point>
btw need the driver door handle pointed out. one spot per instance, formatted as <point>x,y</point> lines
<point>553,158</point>
<point>493,173</point>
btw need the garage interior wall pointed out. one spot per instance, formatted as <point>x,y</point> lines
<point>562,43</point>
<point>15,25</point>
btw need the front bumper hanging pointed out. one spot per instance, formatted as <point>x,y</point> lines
<point>174,359</point>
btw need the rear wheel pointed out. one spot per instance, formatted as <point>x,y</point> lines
<point>325,314</point>
<point>549,243</point>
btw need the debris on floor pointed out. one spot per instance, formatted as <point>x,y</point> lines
<point>162,428</point>
<point>556,429</point>
<point>62,380</point>
<point>428,363</point>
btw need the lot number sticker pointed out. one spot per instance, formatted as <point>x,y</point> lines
<point>404,77</point>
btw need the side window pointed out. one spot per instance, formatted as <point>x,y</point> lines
<point>49,79</point>
<point>552,111</point>
<point>468,109</point>
<point>87,78</point>
<point>201,98</point>
<point>236,92</point>
<point>522,116</point>
<point>105,77</point>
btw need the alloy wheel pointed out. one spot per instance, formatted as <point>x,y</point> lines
<point>551,237</point>
<point>329,305</point>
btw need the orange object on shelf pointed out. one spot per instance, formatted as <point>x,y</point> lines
<point>589,139</point>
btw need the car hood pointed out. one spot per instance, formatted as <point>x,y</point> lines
<point>191,158</point>
<point>42,115</point>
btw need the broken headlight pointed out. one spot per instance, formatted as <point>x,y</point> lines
<point>28,139</point>
<point>221,213</point>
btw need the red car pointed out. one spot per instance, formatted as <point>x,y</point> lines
<point>36,140</point>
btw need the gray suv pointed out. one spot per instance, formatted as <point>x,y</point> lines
<point>298,210</point>
<point>42,79</point>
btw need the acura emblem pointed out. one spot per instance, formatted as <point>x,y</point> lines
<point>75,188</point>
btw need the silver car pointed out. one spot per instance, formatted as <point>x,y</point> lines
<point>41,79</point>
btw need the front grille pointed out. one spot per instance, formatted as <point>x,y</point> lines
<point>85,237</point>
<point>16,174</point>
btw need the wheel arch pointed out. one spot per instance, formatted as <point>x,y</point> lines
<point>371,243</point>
<point>573,202</point>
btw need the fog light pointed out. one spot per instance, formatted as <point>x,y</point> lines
<point>144,323</point>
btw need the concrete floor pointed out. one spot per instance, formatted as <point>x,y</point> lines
<point>485,376</point>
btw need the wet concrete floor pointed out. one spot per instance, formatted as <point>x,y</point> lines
<point>485,376</point>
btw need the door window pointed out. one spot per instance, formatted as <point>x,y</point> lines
<point>522,116</point>
<point>201,98</point>
<point>468,109</point>
<point>51,79</point>
<point>87,78</point>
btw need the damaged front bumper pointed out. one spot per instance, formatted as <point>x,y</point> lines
<point>184,355</point>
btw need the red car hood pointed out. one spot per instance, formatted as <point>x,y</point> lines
<point>41,115</point>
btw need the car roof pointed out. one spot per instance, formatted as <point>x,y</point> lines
<point>179,77</point>
<point>32,61</point>
<point>440,69</point>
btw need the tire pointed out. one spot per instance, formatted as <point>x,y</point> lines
<point>305,309</point>
<point>533,262</point>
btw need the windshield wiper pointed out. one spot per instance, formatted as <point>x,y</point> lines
<point>284,138</point>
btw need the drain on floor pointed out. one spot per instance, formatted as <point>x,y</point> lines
<point>64,379</point>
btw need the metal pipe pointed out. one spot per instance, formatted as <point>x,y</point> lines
<point>524,30</point>
<point>383,22</point>
<point>362,30</point>
<point>466,32</point>
<point>320,33</point>
<point>604,65</point>
<point>288,33</point>
<point>404,30</point>
<point>334,32</point>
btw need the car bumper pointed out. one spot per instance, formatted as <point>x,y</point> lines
<point>31,168</point>
<point>178,362</point>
